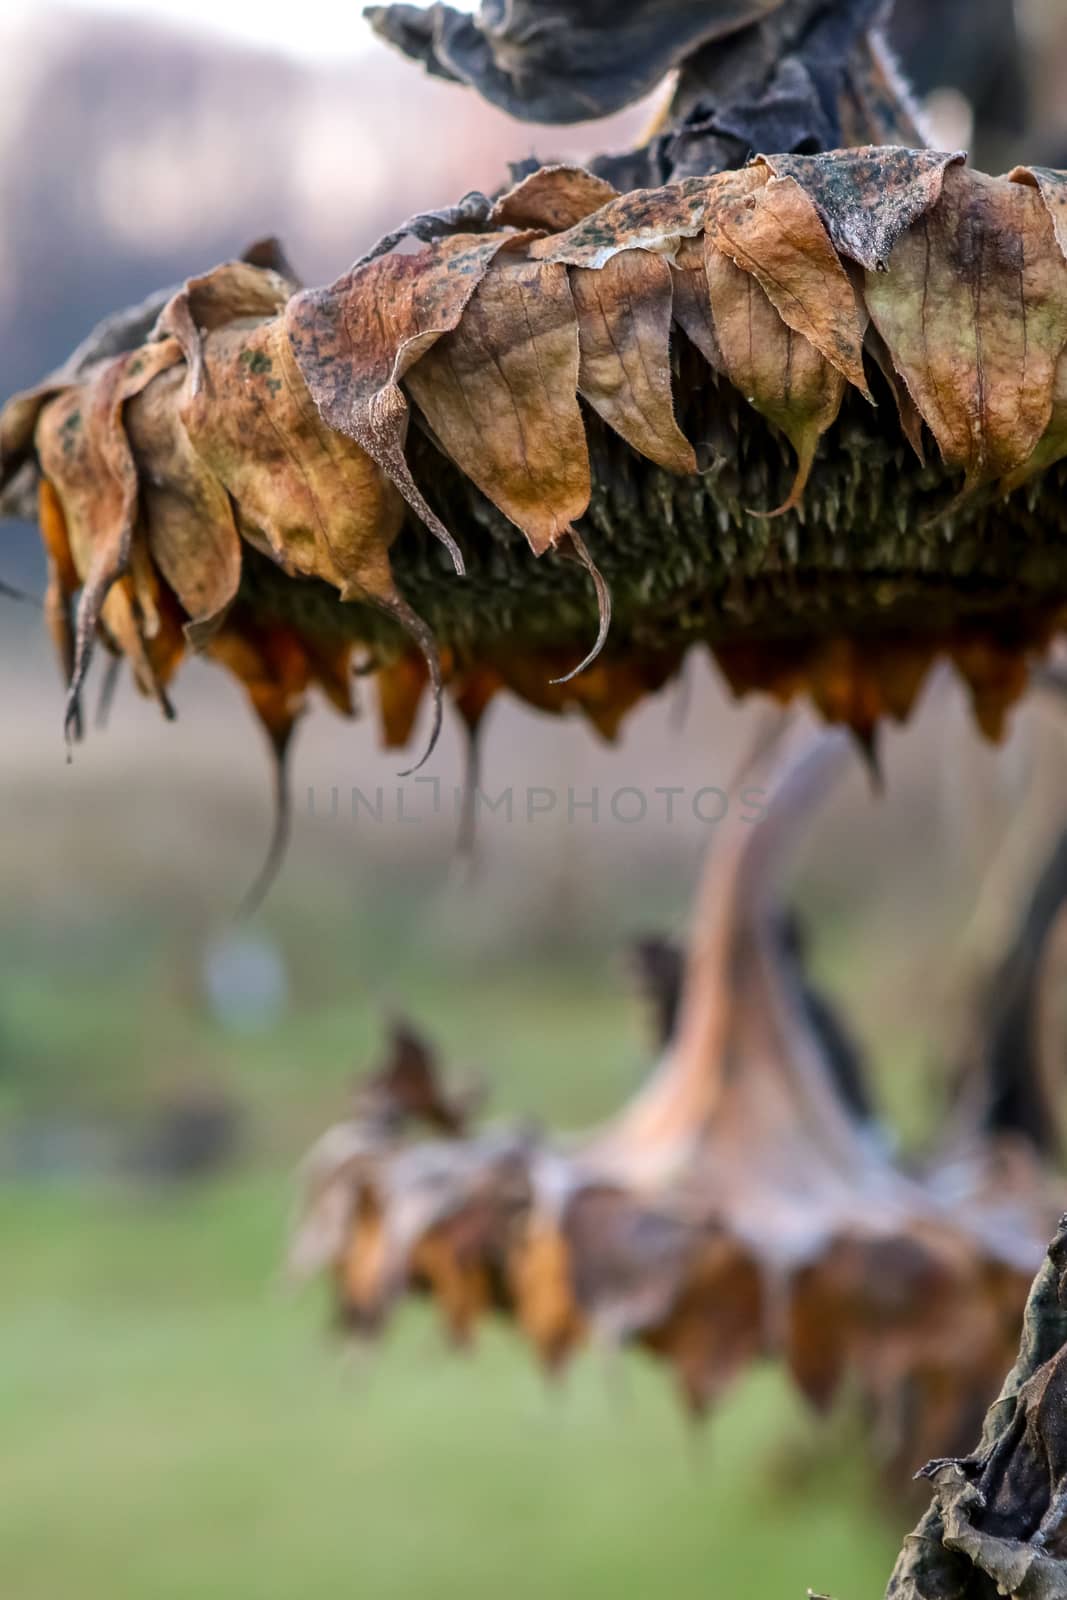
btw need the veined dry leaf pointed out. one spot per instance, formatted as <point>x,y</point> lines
<point>311,496</point>
<point>624,370</point>
<point>777,370</point>
<point>190,527</point>
<point>315,499</point>
<point>353,362</point>
<point>1052,187</point>
<point>774,232</point>
<point>499,392</point>
<point>973,308</point>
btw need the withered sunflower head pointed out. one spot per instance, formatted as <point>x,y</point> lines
<point>744,1204</point>
<point>809,412</point>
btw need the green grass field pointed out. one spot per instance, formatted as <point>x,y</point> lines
<point>178,1423</point>
<point>175,1424</point>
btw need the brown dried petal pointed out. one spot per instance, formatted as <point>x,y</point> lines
<point>539,1273</point>
<point>401,684</point>
<point>911,422</point>
<point>63,580</point>
<point>646,219</point>
<point>775,233</point>
<point>189,519</point>
<point>553,197</point>
<point>778,371</point>
<point>354,342</point>
<point>18,421</point>
<point>973,309</point>
<point>85,453</point>
<point>457,1279</point>
<point>624,371</point>
<point>691,307</point>
<point>717,1326</point>
<point>234,290</point>
<point>499,393</point>
<point>142,622</point>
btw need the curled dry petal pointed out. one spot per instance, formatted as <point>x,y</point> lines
<point>235,290</point>
<point>85,453</point>
<point>356,340</point>
<point>191,527</point>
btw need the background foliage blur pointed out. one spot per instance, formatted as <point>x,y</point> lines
<point>172,1421</point>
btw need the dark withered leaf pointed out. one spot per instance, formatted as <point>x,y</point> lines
<point>868,197</point>
<point>561,60</point>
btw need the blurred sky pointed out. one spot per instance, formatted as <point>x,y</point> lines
<point>314,29</point>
